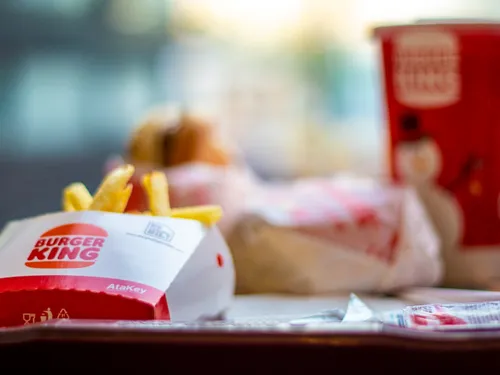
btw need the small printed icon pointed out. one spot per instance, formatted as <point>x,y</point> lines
<point>46,315</point>
<point>63,314</point>
<point>159,232</point>
<point>29,318</point>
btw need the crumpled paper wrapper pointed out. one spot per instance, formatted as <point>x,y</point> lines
<point>342,234</point>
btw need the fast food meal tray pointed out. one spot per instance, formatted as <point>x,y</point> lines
<point>264,344</point>
<point>231,348</point>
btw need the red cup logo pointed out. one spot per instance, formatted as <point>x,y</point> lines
<point>427,68</point>
<point>68,246</point>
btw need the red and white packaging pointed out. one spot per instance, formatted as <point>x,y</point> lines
<point>442,87</point>
<point>431,317</point>
<point>334,235</point>
<point>96,265</point>
<point>439,315</point>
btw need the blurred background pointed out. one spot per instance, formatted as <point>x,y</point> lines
<point>295,84</point>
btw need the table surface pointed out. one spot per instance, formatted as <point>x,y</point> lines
<point>282,307</point>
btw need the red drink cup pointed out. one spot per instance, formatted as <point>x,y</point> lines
<point>442,91</point>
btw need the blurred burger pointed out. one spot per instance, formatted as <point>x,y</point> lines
<point>169,137</point>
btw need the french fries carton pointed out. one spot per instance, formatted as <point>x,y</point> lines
<point>97,265</point>
<point>92,264</point>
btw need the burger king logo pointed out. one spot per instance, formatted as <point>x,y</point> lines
<point>68,246</point>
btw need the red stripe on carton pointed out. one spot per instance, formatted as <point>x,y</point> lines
<point>35,299</point>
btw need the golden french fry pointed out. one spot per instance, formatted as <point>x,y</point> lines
<point>67,206</point>
<point>76,197</point>
<point>112,185</point>
<point>156,187</point>
<point>121,199</point>
<point>114,193</point>
<point>208,215</point>
<point>146,184</point>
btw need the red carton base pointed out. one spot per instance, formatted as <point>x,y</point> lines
<point>33,299</point>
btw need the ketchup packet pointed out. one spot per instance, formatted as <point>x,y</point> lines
<point>450,316</point>
<point>464,315</point>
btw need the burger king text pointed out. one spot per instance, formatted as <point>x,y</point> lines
<point>67,246</point>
